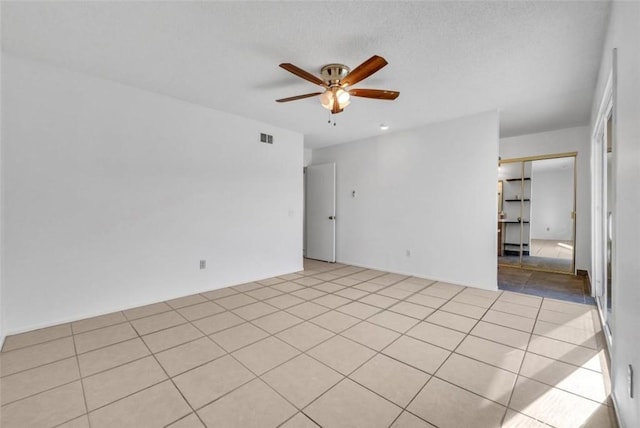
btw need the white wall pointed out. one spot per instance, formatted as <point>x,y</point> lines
<point>431,191</point>
<point>624,34</point>
<point>562,141</point>
<point>552,203</point>
<point>113,195</point>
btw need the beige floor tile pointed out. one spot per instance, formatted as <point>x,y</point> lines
<point>185,357</point>
<point>369,286</point>
<point>349,405</point>
<point>335,321</point>
<point>437,335</point>
<point>424,282</point>
<point>351,293</point>
<point>111,356</point>
<point>157,322</point>
<point>308,281</point>
<point>371,335</point>
<point>412,310</point>
<point>39,379</point>
<point>487,294</point>
<point>189,421</point>
<point>474,300</point>
<point>565,307</point>
<point>288,287</point>
<point>378,301</point>
<point>182,302</point>
<point>209,382</point>
<point>392,379</point>
<point>35,337</point>
<point>36,355</point>
<point>576,336</point>
<point>396,292</point>
<point>492,353</point>
<point>388,279</point>
<point>393,321</point>
<point>290,276</point>
<point>103,337</point>
<point>331,301</point>
<point>329,287</point>
<point>276,322</point>
<point>308,293</point>
<point>437,291</point>
<point>515,309</point>
<point>254,310</point>
<point>588,321</point>
<point>174,336</point>
<point>153,407</point>
<point>302,380</point>
<point>453,321</point>
<point>271,281</point>
<point>235,301</point>
<point>305,336</point>
<point>506,336</point>
<point>106,387</point>
<point>556,407</point>
<point>201,310</point>
<point>284,301</point>
<point>514,419</point>
<point>81,422</point>
<point>341,354</point>
<point>464,309</point>
<point>97,322</point>
<point>426,300</point>
<point>264,293</point>
<point>326,276</point>
<point>417,353</point>
<point>254,405</point>
<point>218,322</point>
<point>219,293</point>
<point>407,420</point>
<point>300,420</point>
<point>145,311</point>
<point>580,356</point>
<point>265,355</point>
<point>346,281</point>
<point>53,408</point>
<point>520,299</point>
<point>307,310</point>
<point>509,320</point>
<point>485,380</point>
<point>583,382</point>
<point>447,406</point>
<point>366,275</point>
<point>238,336</point>
<point>249,286</point>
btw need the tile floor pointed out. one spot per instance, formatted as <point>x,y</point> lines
<point>332,346</point>
<point>572,288</point>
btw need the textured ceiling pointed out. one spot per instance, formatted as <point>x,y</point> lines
<point>536,62</point>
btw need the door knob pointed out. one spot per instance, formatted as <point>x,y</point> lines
<point>332,217</point>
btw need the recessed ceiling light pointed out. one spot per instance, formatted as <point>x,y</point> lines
<point>384,127</point>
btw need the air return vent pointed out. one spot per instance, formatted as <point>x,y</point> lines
<point>266,138</point>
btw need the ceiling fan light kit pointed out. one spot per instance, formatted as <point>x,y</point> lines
<point>336,78</point>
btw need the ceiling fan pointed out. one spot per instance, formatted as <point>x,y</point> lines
<point>336,78</point>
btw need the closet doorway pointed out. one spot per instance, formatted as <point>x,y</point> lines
<point>536,213</point>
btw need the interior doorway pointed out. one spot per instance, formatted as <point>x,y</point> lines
<point>536,217</point>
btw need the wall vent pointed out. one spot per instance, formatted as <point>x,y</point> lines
<point>266,138</point>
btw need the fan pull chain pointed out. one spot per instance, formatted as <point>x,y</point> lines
<point>331,117</point>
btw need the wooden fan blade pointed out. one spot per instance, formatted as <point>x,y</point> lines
<point>302,74</point>
<point>364,70</point>
<point>298,97</point>
<point>379,94</point>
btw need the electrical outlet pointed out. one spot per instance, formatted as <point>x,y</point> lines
<point>203,264</point>
<point>630,380</point>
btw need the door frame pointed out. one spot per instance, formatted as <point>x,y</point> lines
<point>574,214</point>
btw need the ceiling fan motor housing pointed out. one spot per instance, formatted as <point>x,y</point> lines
<point>332,74</point>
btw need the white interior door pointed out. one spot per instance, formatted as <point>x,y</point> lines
<point>321,212</point>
